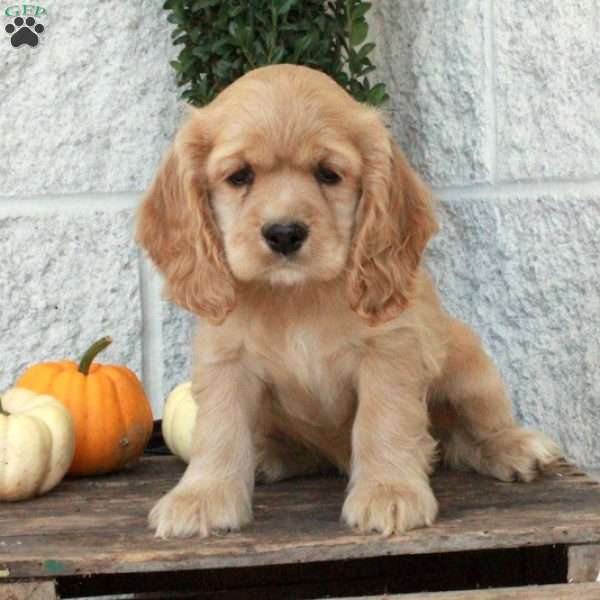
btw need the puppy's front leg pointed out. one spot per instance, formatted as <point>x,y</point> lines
<point>215,492</point>
<point>392,450</point>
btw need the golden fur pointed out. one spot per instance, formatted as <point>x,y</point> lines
<point>339,355</point>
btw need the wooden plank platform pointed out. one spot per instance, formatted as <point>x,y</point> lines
<point>97,526</point>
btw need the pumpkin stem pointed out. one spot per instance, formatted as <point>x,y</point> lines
<point>2,412</point>
<point>92,352</point>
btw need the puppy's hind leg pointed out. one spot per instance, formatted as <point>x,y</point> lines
<point>279,459</point>
<point>481,433</point>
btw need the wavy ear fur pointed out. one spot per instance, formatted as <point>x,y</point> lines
<point>395,220</point>
<point>176,227</point>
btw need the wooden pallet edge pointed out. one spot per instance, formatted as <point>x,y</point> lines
<point>28,590</point>
<point>583,563</point>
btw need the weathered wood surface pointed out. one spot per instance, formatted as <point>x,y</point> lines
<point>41,590</point>
<point>534,592</point>
<point>98,525</point>
<point>584,563</point>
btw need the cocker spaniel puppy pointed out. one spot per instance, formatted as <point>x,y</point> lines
<point>286,218</point>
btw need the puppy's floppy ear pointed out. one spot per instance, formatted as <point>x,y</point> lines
<point>177,229</point>
<point>395,219</point>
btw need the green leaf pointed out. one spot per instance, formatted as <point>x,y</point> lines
<point>343,79</point>
<point>377,95</point>
<point>360,10</point>
<point>292,27</point>
<point>175,19</point>
<point>283,6</point>
<point>302,45</point>
<point>234,30</point>
<point>365,70</point>
<point>259,53</point>
<point>270,39</point>
<point>176,65</point>
<point>359,33</point>
<point>356,88</point>
<point>278,56</point>
<point>221,43</point>
<point>245,36</point>
<point>201,52</point>
<point>222,68</point>
<point>365,49</point>
<point>234,11</point>
<point>195,35</point>
<point>201,4</point>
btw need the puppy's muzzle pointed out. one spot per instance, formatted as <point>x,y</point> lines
<point>285,238</point>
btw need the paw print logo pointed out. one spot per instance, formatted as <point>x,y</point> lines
<point>24,32</point>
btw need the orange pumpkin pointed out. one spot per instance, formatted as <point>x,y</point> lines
<point>112,416</point>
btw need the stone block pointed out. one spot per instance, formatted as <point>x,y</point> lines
<point>68,279</point>
<point>547,89</point>
<point>94,105</point>
<point>431,55</point>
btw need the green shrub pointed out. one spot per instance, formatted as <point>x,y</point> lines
<point>223,39</point>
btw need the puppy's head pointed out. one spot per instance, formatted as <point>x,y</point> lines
<point>284,180</point>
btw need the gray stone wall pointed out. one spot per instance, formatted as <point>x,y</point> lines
<point>496,103</point>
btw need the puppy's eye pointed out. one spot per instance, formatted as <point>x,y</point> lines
<point>327,176</point>
<point>242,177</point>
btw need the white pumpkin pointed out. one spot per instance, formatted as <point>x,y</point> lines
<point>179,420</point>
<point>37,443</point>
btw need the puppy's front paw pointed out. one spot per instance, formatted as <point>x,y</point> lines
<point>517,454</point>
<point>201,509</point>
<point>389,507</point>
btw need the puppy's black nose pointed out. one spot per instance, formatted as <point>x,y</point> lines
<point>285,239</point>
